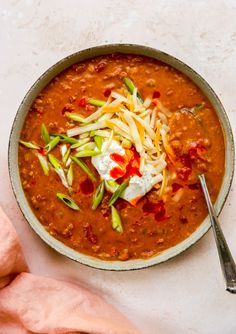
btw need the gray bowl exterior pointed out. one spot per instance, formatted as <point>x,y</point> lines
<point>19,121</point>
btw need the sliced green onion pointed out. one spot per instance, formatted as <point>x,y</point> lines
<point>28,144</point>
<point>63,149</point>
<point>198,107</point>
<point>75,117</point>
<point>88,147</point>
<point>118,192</point>
<point>98,141</point>
<point>68,201</point>
<point>92,133</point>
<point>53,143</point>
<point>98,195</point>
<point>66,139</point>
<point>55,163</point>
<point>44,163</point>
<point>116,220</point>
<point>68,161</point>
<point>44,133</point>
<point>58,169</point>
<point>70,175</point>
<point>96,103</point>
<point>66,156</point>
<point>84,135</point>
<point>80,142</point>
<point>86,153</point>
<point>130,86</point>
<point>85,168</point>
<point>111,185</point>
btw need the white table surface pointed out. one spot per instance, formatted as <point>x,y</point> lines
<point>185,295</point>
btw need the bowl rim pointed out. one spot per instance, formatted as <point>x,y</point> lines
<point>14,170</point>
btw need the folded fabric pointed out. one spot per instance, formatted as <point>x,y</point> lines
<point>34,304</point>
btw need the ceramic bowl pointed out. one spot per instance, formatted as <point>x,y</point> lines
<point>19,121</point>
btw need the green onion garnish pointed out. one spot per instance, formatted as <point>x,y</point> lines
<point>85,168</point>
<point>55,163</point>
<point>68,201</point>
<point>130,86</point>
<point>29,145</point>
<point>66,139</point>
<point>116,220</point>
<point>98,195</point>
<point>111,185</point>
<point>53,143</point>
<point>58,169</point>
<point>86,153</point>
<point>118,192</point>
<point>70,175</point>
<point>44,134</point>
<point>80,142</point>
<point>75,117</point>
<point>44,163</point>
<point>96,103</point>
<point>66,156</point>
<point>98,141</point>
<point>198,107</point>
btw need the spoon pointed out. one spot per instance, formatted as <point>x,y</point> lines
<point>226,260</point>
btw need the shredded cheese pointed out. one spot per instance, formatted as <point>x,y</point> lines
<point>157,137</point>
<point>134,132</point>
<point>126,119</point>
<point>82,129</point>
<point>163,185</point>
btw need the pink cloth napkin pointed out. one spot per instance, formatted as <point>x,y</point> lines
<point>34,304</point>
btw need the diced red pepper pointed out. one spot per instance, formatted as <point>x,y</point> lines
<point>107,92</point>
<point>150,207</point>
<point>157,208</point>
<point>82,102</point>
<point>42,151</point>
<point>196,151</point>
<point>156,95</point>
<point>153,207</point>
<point>133,166</point>
<point>117,172</point>
<point>176,187</point>
<point>87,187</point>
<point>186,160</point>
<point>120,159</point>
<point>194,186</point>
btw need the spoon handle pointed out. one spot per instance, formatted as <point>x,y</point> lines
<point>226,260</point>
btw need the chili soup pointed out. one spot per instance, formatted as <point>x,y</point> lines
<point>110,154</point>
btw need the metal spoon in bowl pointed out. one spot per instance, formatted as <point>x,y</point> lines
<point>226,260</point>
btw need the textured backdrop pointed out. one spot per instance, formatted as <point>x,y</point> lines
<point>185,295</point>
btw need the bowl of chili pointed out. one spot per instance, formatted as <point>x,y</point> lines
<point>105,152</point>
